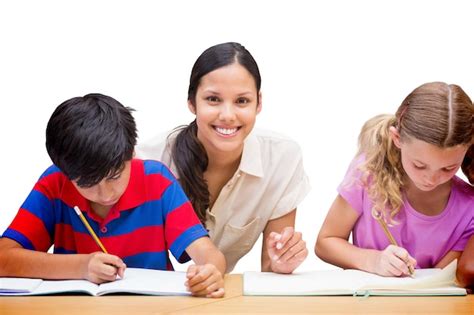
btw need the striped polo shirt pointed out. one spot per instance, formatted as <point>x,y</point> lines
<point>150,218</point>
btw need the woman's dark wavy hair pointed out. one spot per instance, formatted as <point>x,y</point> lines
<point>188,153</point>
<point>89,138</point>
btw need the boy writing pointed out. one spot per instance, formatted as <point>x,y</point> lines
<point>137,208</point>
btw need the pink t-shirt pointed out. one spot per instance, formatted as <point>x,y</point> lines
<point>426,238</point>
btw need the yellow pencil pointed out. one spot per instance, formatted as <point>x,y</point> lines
<point>392,240</point>
<point>88,227</point>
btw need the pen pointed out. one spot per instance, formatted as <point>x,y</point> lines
<point>88,227</point>
<point>392,240</point>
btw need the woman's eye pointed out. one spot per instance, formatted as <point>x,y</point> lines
<point>213,99</point>
<point>243,101</point>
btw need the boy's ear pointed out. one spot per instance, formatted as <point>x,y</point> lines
<point>395,135</point>
<point>191,107</point>
<point>259,105</point>
<point>134,154</point>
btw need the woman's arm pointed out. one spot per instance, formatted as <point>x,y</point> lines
<point>283,249</point>
<point>205,278</point>
<point>333,247</point>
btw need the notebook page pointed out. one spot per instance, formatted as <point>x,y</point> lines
<point>18,285</point>
<point>321,282</point>
<point>147,281</point>
<point>66,286</point>
<point>424,278</point>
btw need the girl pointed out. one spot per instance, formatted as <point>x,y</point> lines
<point>404,176</point>
<point>241,181</point>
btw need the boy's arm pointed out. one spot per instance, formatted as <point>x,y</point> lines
<point>15,261</point>
<point>206,277</point>
<point>465,271</point>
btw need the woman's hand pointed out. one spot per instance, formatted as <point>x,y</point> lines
<point>286,250</point>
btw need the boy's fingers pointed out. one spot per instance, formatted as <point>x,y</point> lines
<point>191,272</point>
<point>217,294</point>
<point>204,288</point>
<point>200,276</point>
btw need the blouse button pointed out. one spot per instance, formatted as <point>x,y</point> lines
<point>103,229</point>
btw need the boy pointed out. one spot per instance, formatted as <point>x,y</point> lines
<point>137,208</point>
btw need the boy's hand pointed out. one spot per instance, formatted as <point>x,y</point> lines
<point>286,250</point>
<point>205,280</point>
<point>102,267</point>
<point>393,261</point>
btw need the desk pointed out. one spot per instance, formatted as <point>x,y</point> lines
<point>234,303</point>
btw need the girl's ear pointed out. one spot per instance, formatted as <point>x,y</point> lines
<point>191,107</point>
<point>395,135</point>
<point>259,105</point>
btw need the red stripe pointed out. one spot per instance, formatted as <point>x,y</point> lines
<point>32,228</point>
<point>50,185</point>
<point>57,185</point>
<point>156,184</point>
<point>143,240</point>
<point>64,237</point>
<point>178,221</point>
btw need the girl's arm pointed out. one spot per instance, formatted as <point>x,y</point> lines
<point>465,271</point>
<point>283,249</point>
<point>333,247</point>
<point>15,261</point>
<point>205,278</point>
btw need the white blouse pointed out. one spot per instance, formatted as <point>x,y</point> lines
<point>269,183</point>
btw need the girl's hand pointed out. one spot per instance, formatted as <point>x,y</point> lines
<point>286,250</point>
<point>205,280</point>
<point>393,261</point>
<point>101,267</point>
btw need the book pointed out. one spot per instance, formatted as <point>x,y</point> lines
<point>135,281</point>
<point>353,282</point>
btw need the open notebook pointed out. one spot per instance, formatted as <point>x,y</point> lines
<point>353,282</point>
<point>136,281</point>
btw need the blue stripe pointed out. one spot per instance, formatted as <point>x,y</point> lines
<point>155,260</point>
<point>185,239</point>
<point>40,206</point>
<point>173,197</point>
<point>148,214</point>
<point>60,250</point>
<point>50,170</point>
<point>156,167</point>
<point>19,238</point>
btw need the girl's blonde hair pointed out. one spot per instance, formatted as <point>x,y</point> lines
<point>437,113</point>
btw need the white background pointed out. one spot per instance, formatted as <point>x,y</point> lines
<point>327,66</point>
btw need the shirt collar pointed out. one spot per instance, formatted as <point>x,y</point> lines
<point>133,196</point>
<point>251,161</point>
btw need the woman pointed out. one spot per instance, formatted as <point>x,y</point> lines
<point>241,182</point>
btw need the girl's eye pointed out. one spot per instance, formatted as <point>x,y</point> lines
<point>447,170</point>
<point>419,167</point>
<point>212,99</point>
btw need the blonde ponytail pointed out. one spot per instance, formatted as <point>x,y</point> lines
<point>382,169</point>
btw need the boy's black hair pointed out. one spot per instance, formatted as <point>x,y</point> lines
<point>89,138</point>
